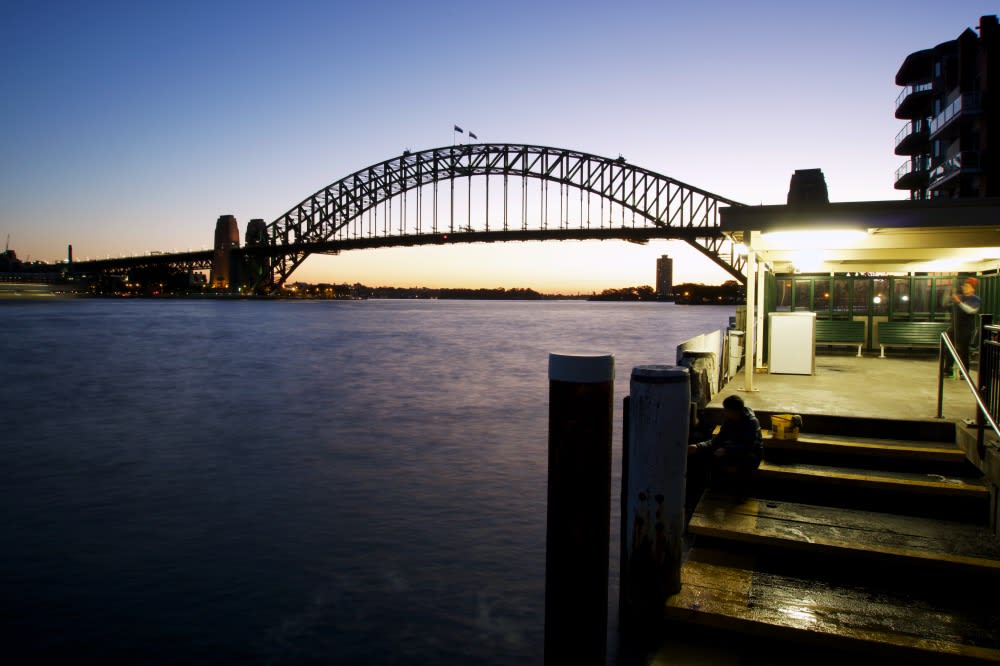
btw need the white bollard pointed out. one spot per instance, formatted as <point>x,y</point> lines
<point>655,464</point>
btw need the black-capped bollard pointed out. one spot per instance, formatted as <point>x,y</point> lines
<point>581,394</point>
<point>654,469</point>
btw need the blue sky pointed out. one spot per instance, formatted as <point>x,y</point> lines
<point>130,127</point>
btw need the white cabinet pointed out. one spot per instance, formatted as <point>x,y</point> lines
<point>791,343</point>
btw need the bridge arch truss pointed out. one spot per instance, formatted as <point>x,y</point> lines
<point>598,197</point>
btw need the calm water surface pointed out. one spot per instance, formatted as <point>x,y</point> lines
<point>290,482</point>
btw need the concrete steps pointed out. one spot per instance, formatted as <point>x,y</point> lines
<point>891,558</point>
<point>861,536</point>
<point>795,612</point>
<point>868,452</point>
<point>912,477</point>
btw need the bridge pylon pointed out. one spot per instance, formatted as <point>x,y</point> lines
<point>224,275</point>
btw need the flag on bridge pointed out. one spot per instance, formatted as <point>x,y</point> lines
<point>458,129</point>
<point>472,136</point>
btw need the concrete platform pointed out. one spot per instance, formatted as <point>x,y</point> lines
<point>899,387</point>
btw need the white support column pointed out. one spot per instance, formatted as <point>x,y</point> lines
<point>761,272</point>
<point>750,335</point>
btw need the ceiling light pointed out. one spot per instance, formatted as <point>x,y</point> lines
<point>813,238</point>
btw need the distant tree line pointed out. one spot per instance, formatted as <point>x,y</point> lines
<point>729,292</point>
<point>356,291</point>
<point>643,293</point>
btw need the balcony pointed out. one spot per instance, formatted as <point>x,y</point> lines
<point>912,174</point>
<point>912,139</point>
<point>945,125</point>
<point>914,101</point>
<point>966,161</point>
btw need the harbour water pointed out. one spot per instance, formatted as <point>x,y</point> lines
<point>291,482</point>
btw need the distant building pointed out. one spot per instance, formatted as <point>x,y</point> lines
<point>951,139</point>
<point>664,276</point>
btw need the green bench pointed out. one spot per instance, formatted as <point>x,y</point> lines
<point>840,332</point>
<point>910,334</point>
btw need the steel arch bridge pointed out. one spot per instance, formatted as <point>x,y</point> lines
<point>356,211</point>
<point>522,193</point>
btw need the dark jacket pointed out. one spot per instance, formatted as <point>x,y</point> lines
<point>738,437</point>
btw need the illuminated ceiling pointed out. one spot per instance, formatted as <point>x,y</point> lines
<point>946,236</point>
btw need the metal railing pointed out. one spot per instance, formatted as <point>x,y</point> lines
<point>909,90</point>
<point>966,160</point>
<point>964,103</point>
<point>910,128</point>
<point>987,393</point>
<point>912,165</point>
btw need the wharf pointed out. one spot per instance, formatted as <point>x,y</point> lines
<point>897,387</point>
<point>824,561</point>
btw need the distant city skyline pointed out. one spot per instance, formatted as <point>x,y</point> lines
<point>132,128</point>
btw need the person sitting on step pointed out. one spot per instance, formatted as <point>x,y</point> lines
<point>736,451</point>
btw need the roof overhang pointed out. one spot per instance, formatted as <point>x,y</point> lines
<point>916,68</point>
<point>939,235</point>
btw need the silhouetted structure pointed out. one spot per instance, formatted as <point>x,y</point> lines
<point>255,267</point>
<point>664,276</point>
<point>227,238</point>
<point>256,232</point>
<point>808,186</point>
<point>952,135</point>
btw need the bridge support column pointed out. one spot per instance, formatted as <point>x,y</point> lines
<point>581,394</point>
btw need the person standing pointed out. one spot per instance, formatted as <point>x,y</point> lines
<point>965,307</point>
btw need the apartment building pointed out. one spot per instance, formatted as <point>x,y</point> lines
<point>952,131</point>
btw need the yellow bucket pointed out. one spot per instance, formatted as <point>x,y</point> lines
<point>782,428</point>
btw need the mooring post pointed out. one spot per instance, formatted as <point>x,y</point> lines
<point>655,455</point>
<point>581,394</point>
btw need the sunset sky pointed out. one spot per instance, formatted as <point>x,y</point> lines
<point>129,127</point>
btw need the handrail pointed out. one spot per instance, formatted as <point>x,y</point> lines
<point>965,102</point>
<point>983,411</point>
<point>909,90</point>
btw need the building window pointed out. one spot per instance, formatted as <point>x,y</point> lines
<point>783,295</point>
<point>920,297</point>
<point>860,304</point>
<point>841,298</point>
<point>821,295</point>
<point>943,302</point>
<point>802,299</point>
<point>901,298</point>
<point>880,296</point>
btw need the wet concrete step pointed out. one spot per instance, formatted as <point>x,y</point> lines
<point>866,452</point>
<point>901,482</point>
<point>730,592</point>
<point>937,546</point>
<point>942,453</point>
<point>951,497</point>
<point>912,483</point>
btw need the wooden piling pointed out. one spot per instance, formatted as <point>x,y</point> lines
<point>581,393</point>
<point>655,455</point>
